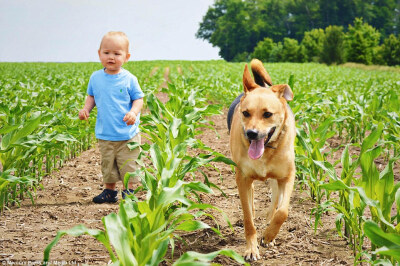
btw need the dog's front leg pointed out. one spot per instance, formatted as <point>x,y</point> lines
<point>245,187</point>
<point>285,188</point>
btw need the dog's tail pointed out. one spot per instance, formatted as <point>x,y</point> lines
<point>261,76</point>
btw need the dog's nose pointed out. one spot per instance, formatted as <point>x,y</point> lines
<point>252,134</point>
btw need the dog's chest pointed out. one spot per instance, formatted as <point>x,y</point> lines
<point>257,169</point>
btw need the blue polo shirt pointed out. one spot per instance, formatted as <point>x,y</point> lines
<point>113,95</point>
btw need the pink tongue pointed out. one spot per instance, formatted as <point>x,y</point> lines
<point>256,149</point>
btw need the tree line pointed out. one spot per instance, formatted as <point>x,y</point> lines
<point>330,31</point>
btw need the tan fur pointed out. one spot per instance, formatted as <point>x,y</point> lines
<point>275,164</point>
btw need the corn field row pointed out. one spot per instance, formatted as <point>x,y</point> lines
<point>347,149</point>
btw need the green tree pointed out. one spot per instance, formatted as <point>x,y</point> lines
<point>227,27</point>
<point>305,15</point>
<point>237,26</point>
<point>390,50</point>
<point>271,19</point>
<point>383,17</point>
<point>361,42</point>
<point>313,42</point>
<point>263,49</point>
<point>209,24</point>
<point>337,12</point>
<point>292,51</point>
<point>276,53</point>
<point>332,51</point>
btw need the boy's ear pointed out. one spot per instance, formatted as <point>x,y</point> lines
<point>128,55</point>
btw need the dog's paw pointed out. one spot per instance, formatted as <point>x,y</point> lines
<point>266,244</point>
<point>252,254</point>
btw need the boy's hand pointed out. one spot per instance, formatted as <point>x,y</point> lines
<point>83,114</point>
<point>130,118</point>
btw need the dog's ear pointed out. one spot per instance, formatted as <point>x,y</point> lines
<point>283,90</point>
<point>261,76</point>
<point>248,82</point>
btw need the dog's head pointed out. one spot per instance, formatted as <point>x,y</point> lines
<point>262,108</point>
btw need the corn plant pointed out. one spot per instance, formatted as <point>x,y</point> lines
<point>10,188</point>
<point>172,132</point>
<point>141,231</point>
<point>35,136</point>
<point>374,190</point>
<point>388,244</point>
<point>308,152</point>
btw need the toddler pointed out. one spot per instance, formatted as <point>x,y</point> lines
<point>119,99</point>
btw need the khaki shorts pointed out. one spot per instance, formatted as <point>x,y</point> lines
<point>117,159</point>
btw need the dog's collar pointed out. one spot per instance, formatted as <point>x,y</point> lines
<point>271,132</point>
<point>281,130</point>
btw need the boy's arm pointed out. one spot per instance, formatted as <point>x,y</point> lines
<point>89,105</point>
<point>130,117</point>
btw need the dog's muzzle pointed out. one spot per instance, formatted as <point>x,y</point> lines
<point>253,134</point>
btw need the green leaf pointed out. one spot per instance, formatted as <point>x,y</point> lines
<point>191,225</point>
<point>397,199</point>
<point>175,127</point>
<point>159,253</point>
<point>169,195</point>
<point>198,186</point>
<point>291,81</point>
<point>156,157</point>
<point>370,141</point>
<point>117,234</point>
<point>384,188</point>
<point>345,159</point>
<point>27,129</point>
<point>6,129</point>
<point>328,168</point>
<point>77,231</point>
<point>335,185</point>
<point>192,258</point>
<point>392,252</point>
<point>389,241</point>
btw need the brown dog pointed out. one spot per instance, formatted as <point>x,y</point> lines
<point>262,133</point>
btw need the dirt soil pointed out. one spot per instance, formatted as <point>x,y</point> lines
<point>66,201</point>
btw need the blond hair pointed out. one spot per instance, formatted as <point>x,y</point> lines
<point>119,34</point>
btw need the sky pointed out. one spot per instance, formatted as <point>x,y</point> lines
<point>71,30</point>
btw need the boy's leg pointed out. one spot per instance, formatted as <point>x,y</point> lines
<point>125,159</point>
<point>110,185</point>
<point>109,166</point>
<point>109,171</point>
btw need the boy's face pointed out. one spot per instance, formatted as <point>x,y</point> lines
<point>113,53</point>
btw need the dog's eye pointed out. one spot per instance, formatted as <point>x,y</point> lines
<point>267,114</point>
<point>246,114</point>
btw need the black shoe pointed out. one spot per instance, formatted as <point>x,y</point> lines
<point>108,195</point>
<point>127,192</point>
